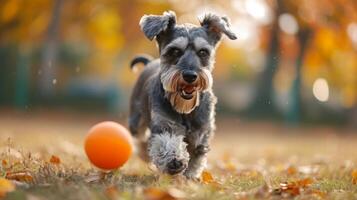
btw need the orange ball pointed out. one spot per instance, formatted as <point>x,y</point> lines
<point>108,145</point>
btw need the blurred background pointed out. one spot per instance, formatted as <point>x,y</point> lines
<point>294,62</point>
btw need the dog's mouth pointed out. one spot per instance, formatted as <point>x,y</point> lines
<point>187,91</point>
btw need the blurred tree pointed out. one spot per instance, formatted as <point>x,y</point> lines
<point>324,50</point>
<point>295,107</point>
<point>263,103</point>
<point>49,55</point>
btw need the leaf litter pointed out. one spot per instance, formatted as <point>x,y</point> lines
<point>225,177</point>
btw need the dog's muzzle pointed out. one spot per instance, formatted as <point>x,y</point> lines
<point>187,91</point>
<point>188,85</point>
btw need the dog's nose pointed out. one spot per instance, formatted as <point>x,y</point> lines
<point>189,76</point>
<point>175,166</point>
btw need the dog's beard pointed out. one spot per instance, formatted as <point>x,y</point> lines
<point>184,97</point>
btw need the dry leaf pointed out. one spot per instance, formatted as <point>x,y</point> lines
<point>5,187</point>
<point>22,176</point>
<point>304,182</point>
<point>293,188</point>
<point>207,177</point>
<point>55,160</point>
<point>3,162</point>
<point>290,188</point>
<point>157,194</point>
<point>354,176</point>
<point>291,170</point>
<point>287,188</point>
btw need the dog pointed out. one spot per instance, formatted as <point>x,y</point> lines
<point>173,99</point>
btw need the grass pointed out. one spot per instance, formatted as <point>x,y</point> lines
<point>248,161</point>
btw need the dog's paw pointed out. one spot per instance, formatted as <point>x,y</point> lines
<point>176,166</point>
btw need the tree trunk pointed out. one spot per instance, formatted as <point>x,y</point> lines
<point>48,67</point>
<point>295,108</point>
<point>262,104</point>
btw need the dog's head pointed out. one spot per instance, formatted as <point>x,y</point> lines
<point>186,55</point>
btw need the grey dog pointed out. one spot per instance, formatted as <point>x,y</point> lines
<point>173,97</point>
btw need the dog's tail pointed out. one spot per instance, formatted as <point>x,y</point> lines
<point>145,59</point>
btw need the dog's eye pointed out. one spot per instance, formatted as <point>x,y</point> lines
<point>203,53</point>
<point>175,52</point>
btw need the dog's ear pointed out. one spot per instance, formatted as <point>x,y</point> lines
<point>153,25</point>
<point>216,25</point>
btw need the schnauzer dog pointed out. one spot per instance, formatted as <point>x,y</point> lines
<point>173,96</point>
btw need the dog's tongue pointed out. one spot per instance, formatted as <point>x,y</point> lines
<point>189,89</point>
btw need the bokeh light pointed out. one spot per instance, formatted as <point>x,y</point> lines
<point>352,33</point>
<point>320,89</point>
<point>288,24</point>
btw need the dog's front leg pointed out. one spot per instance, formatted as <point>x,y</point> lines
<point>198,147</point>
<point>166,147</point>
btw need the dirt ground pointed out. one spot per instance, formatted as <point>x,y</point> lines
<point>248,160</point>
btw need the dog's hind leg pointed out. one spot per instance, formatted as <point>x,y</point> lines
<point>134,121</point>
<point>138,129</point>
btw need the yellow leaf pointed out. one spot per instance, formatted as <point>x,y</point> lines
<point>5,187</point>
<point>207,177</point>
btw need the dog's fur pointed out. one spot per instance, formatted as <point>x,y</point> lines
<point>173,96</point>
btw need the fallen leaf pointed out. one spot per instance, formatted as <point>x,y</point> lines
<point>287,188</point>
<point>207,177</point>
<point>5,187</point>
<point>354,176</point>
<point>22,176</point>
<point>304,182</point>
<point>4,162</point>
<point>55,160</point>
<point>291,170</point>
<point>157,194</point>
<point>293,188</point>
